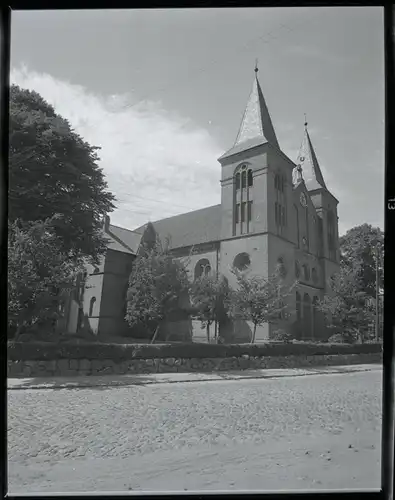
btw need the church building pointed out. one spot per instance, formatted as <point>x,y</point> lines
<point>272,212</point>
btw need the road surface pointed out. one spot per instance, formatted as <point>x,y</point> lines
<point>313,432</point>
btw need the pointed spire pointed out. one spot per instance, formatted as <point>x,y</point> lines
<point>307,159</point>
<point>256,122</point>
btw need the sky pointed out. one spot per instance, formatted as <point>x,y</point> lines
<point>162,92</point>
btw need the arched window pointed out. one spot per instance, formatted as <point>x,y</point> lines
<point>243,178</point>
<point>243,199</point>
<point>249,180</point>
<point>306,272</point>
<point>297,269</point>
<point>202,268</point>
<point>314,275</point>
<point>91,305</point>
<point>237,181</point>
<point>242,261</point>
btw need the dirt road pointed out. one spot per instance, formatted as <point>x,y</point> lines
<point>314,432</point>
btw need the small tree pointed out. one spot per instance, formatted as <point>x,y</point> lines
<point>259,300</point>
<point>210,299</point>
<point>156,285</point>
<point>347,309</point>
<point>37,272</point>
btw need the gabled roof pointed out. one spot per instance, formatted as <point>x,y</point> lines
<point>191,228</point>
<point>128,238</point>
<point>256,126</point>
<point>120,239</point>
<point>307,159</point>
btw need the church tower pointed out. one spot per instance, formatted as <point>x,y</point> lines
<point>326,207</point>
<point>256,196</point>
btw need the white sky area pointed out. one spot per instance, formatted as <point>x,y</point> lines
<point>163,98</point>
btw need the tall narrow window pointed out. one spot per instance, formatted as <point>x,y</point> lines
<point>276,212</point>
<point>250,178</point>
<point>243,197</point>
<point>237,213</point>
<point>244,179</point>
<point>243,208</point>
<point>91,306</point>
<point>249,211</point>
<point>281,210</point>
<point>238,181</point>
<point>297,226</point>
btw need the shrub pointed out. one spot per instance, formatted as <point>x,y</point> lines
<point>281,335</point>
<point>119,352</point>
<point>339,338</point>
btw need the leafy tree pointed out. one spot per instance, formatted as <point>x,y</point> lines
<point>348,309</point>
<point>358,249</point>
<point>38,270</point>
<point>259,300</point>
<point>210,300</point>
<point>51,169</point>
<point>157,285</point>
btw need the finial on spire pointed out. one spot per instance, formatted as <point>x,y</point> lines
<point>305,120</point>
<point>256,66</point>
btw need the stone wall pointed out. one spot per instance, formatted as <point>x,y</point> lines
<point>81,367</point>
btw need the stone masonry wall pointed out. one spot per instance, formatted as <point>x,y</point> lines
<point>83,367</point>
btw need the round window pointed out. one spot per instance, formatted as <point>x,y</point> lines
<point>242,261</point>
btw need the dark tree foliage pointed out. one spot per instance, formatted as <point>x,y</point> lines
<point>52,170</point>
<point>359,249</point>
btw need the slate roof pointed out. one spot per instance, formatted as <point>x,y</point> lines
<point>307,158</point>
<point>113,244</point>
<point>123,240</point>
<point>256,126</point>
<point>129,238</point>
<point>191,228</point>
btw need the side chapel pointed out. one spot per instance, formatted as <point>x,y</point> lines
<point>273,212</point>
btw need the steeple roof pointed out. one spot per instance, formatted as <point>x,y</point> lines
<point>307,159</point>
<point>256,126</point>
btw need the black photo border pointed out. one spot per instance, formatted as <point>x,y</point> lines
<point>388,446</point>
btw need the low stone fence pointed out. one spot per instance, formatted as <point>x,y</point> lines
<point>156,360</point>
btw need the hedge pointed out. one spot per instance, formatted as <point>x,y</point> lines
<point>45,351</point>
